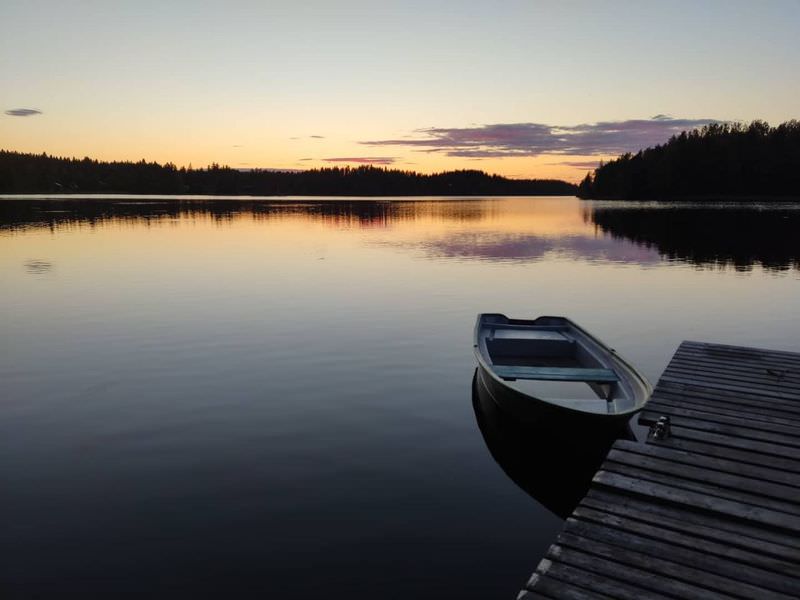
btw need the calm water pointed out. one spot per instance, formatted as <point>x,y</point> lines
<point>275,397</point>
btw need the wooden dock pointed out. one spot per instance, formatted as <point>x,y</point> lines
<point>712,510</point>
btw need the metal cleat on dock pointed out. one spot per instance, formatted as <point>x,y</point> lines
<point>660,430</point>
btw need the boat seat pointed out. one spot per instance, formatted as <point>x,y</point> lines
<point>555,374</point>
<point>515,343</point>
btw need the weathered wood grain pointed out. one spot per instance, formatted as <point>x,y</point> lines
<point>713,510</point>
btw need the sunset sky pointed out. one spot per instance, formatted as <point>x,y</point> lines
<point>524,89</point>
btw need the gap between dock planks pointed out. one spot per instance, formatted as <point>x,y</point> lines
<point>713,510</point>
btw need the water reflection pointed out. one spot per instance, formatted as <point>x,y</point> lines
<point>485,229</point>
<point>59,213</point>
<point>730,236</point>
<point>498,246</point>
<point>191,390</point>
<point>555,468</point>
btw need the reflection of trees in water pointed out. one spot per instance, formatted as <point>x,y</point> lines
<point>730,236</point>
<point>723,237</point>
<point>19,214</point>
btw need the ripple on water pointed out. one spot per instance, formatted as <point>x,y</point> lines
<point>36,266</point>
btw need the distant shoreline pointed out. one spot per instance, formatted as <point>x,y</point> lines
<point>156,198</point>
<point>714,198</point>
<point>24,174</point>
<point>244,197</point>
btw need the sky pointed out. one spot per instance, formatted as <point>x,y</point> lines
<point>523,89</point>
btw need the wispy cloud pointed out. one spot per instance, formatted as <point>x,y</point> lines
<point>23,112</point>
<point>502,140</point>
<point>317,137</point>
<point>366,160</point>
<point>269,169</point>
<point>578,164</point>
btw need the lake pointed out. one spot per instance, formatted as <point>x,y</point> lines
<point>273,397</point>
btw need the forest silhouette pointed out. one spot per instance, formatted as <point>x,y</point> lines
<point>718,161</point>
<point>42,174</point>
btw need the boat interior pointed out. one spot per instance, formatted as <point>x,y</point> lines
<point>554,361</point>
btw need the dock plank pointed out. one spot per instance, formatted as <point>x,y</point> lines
<point>738,429</point>
<point>739,400</point>
<point>756,447</point>
<point>712,463</point>
<point>615,571</point>
<point>752,371</point>
<point>781,381</point>
<point>563,590</point>
<point>732,386</point>
<point>721,483</point>
<point>712,510</point>
<point>715,585</point>
<point>734,353</point>
<point>737,573</point>
<point>694,499</point>
<point>704,411</point>
<point>708,525</point>
<point>598,584</point>
<point>686,538</point>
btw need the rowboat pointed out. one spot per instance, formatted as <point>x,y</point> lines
<point>552,370</point>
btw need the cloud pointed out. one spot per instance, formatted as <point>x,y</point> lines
<point>502,140</point>
<point>23,112</point>
<point>269,169</point>
<point>578,164</point>
<point>366,160</point>
<point>317,137</point>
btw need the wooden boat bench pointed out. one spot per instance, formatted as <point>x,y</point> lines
<point>555,373</point>
<point>509,343</point>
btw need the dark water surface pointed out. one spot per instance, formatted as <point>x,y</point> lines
<point>274,398</point>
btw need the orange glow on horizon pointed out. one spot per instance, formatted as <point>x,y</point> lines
<point>177,141</point>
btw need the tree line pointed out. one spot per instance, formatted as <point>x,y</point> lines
<point>718,161</point>
<point>22,173</point>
